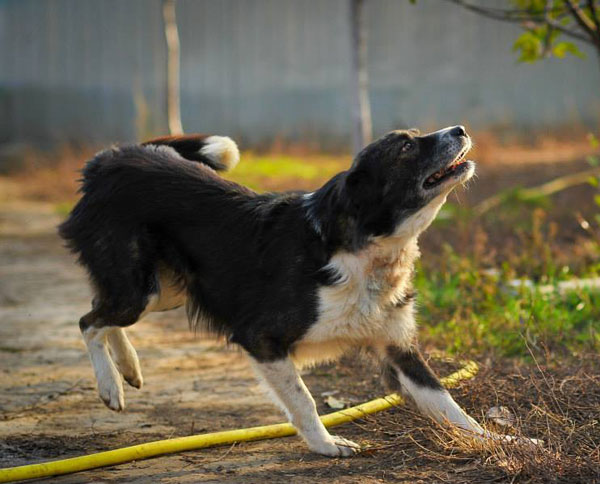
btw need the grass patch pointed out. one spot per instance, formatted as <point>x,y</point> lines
<point>465,307</point>
<point>284,172</point>
<point>63,208</point>
<point>549,400</point>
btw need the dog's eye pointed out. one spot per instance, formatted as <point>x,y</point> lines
<point>407,146</point>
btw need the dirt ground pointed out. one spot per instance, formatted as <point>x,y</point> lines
<point>48,402</point>
<point>49,408</point>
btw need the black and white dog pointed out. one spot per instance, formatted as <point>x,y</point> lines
<point>293,279</point>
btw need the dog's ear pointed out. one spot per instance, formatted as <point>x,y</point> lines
<point>363,201</point>
<point>360,187</point>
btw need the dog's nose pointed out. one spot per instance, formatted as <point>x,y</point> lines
<point>458,131</point>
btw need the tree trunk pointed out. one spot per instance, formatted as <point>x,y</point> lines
<point>173,91</point>
<point>362,130</point>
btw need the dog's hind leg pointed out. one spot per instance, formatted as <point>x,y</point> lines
<point>406,371</point>
<point>290,393</point>
<point>103,332</point>
<point>125,356</point>
<point>110,386</point>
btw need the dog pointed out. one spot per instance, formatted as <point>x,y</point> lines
<point>294,279</point>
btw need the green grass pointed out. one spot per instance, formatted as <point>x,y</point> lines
<point>270,172</point>
<point>63,208</point>
<point>467,309</point>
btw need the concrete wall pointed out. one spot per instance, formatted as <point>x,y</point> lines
<point>266,69</point>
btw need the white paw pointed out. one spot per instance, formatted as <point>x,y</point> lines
<point>336,447</point>
<point>111,392</point>
<point>135,380</point>
<point>132,372</point>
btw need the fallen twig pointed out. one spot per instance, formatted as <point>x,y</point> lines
<point>545,189</point>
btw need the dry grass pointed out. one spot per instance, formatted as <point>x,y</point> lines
<point>51,177</point>
<point>557,403</point>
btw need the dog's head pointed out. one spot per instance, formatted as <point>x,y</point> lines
<point>398,183</point>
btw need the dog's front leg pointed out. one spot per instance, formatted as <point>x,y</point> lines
<point>407,371</point>
<point>290,393</point>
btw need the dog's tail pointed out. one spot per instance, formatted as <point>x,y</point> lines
<point>219,152</point>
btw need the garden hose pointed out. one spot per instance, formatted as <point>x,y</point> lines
<point>193,442</point>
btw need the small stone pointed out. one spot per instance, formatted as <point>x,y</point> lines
<point>501,416</point>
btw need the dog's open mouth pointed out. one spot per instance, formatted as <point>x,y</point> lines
<point>450,170</point>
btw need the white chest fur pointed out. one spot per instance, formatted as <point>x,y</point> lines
<point>362,308</point>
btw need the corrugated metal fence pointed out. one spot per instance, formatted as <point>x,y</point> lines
<point>95,70</point>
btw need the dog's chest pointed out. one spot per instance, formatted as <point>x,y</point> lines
<point>368,297</point>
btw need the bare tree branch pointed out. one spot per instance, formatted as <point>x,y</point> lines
<point>595,15</point>
<point>543,190</point>
<point>510,15</point>
<point>362,125</point>
<point>173,92</point>
<point>568,32</point>
<point>522,16</point>
<point>550,29</point>
<point>581,18</point>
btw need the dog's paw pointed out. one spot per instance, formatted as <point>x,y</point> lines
<point>336,447</point>
<point>129,366</point>
<point>136,380</point>
<point>131,372</point>
<point>111,393</point>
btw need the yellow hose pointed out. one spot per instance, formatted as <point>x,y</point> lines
<point>192,442</point>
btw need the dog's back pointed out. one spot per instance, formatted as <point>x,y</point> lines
<point>132,193</point>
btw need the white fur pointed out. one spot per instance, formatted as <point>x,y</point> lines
<point>170,295</point>
<point>289,392</point>
<point>306,202</point>
<point>438,404</point>
<point>125,356</point>
<point>359,310</point>
<point>221,149</point>
<point>110,386</point>
<point>415,224</point>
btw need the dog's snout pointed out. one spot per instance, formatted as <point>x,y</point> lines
<point>458,131</point>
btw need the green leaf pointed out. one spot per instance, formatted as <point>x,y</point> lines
<point>529,45</point>
<point>597,199</point>
<point>561,49</point>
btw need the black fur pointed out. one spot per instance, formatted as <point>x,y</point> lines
<point>384,187</point>
<point>412,365</point>
<point>188,147</point>
<point>251,264</point>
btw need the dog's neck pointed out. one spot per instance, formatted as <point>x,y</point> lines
<point>336,221</point>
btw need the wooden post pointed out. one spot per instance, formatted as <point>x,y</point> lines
<point>362,130</point>
<point>173,88</point>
